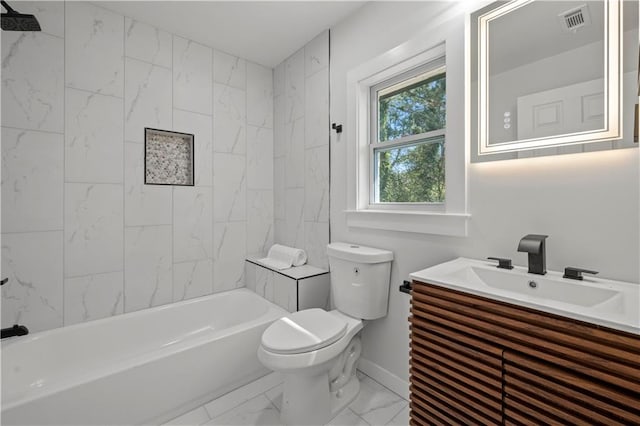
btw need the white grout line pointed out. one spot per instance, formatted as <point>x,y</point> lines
<point>64,147</point>
<point>124,189</point>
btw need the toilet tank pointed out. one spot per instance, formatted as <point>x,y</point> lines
<point>360,279</point>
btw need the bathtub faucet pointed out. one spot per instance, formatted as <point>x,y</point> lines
<point>16,330</point>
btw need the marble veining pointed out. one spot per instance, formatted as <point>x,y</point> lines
<point>229,253</point>
<point>192,223</point>
<point>259,95</point>
<point>295,173</point>
<point>256,411</point>
<point>32,97</point>
<point>265,282</point>
<point>93,297</point>
<point>200,126</point>
<point>375,404</point>
<point>123,245</point>
<point>229,119</point>
<point>301,150</point>
<point>316,54</point>
<point>280,230</point>
<point>229,187</point>
<point>294,86</point>
<point>94,49</point>
<point>147,43</point>
<point>192,279</point>
<point>143,204</point>
<point>279,188</point>
<point>294,216</point>
<point>260,148</point>
<point>229,70</point>
<point>93,236</point>
<point>93,137</point>
<point>285,292</point>
<point>279,145</point>
<point>316,109</point>
<point>147,99</point>
<point>32,296</point>
<point>148,268</point>
<point>192,76</point>
<point>32,168</point>
<point>316,238</point>
<point>259,222</point>
<point>278,80</point>
<point>316,195</point>
<point>260,402</point>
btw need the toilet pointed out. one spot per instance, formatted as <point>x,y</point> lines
<point>317,350</point>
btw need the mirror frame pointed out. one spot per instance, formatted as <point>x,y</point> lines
<point>612,77</point>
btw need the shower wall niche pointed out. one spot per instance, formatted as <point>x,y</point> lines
<point>168,158</point>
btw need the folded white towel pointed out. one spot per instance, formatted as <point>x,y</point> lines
<point>283,257</point>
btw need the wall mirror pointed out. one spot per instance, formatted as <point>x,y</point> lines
<point>552,77</point>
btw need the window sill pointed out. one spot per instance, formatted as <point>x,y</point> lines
<point>450,224</point>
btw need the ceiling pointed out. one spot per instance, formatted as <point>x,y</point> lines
<point>266,32</point>
<point>534,32</point>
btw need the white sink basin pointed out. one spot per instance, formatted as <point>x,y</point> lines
<point>610,303</point>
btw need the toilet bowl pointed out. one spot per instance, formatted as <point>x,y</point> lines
<point>306,347</point>
<point>317,350</point>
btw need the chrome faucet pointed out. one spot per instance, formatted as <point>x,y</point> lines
<point>535,246</point>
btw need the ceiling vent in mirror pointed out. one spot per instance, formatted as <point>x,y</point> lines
<point>575,18</point>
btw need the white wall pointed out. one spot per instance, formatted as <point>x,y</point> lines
<point>82,236</point>
<point>587,203</point>
<point>301,150</point>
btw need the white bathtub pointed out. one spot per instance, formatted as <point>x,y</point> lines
<point>144,367</point>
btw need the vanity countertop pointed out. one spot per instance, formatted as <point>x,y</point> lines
<point>613,304</point>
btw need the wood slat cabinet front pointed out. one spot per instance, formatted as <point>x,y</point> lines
<point>479,361</point>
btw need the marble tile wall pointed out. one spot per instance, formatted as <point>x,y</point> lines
<point>82,237</point>
<point>301,150</point>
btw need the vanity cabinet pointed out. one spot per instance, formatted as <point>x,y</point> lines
<point>479,361</point>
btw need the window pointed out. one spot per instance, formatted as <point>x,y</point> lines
<point>407,169</point>
<point>407,137</point>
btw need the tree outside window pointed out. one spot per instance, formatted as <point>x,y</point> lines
<point>409,150</point>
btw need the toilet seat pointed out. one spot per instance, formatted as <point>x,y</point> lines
<point>303,331</point>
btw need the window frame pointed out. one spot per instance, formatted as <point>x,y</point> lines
<point>447,33</point>
<point>433,67</point>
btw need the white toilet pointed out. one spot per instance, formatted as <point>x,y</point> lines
<point>317,350</point>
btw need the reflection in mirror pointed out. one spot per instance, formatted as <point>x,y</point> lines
<point>547,77</point>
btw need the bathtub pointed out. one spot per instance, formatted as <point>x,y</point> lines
<point>145,367</point>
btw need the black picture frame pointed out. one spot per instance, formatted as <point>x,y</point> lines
<point>190,138</point>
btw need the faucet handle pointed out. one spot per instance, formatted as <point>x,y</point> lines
<point>576,273</point>
<point>502,262</point>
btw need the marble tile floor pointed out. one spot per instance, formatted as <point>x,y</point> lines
<point>258,403</point>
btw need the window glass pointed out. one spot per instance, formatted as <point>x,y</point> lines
<point>412,173</point>
<point>408,147</point>
<point>412,108</point>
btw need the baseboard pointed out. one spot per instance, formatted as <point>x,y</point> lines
<point>384,377</point>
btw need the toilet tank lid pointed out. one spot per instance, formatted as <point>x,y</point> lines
<point>358,253</point>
